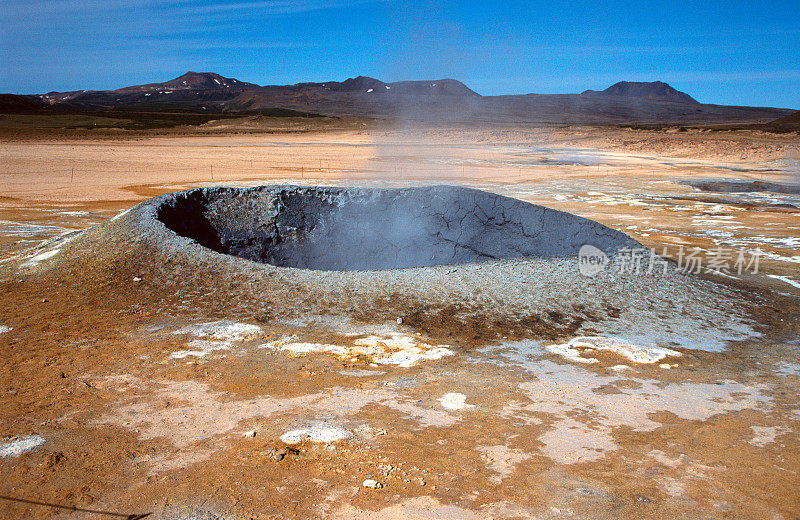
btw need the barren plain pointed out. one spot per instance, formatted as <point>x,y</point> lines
<point>140,386</point>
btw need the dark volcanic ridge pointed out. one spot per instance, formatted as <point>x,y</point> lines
<point>433,100</point>
<point>787,123</point>
<point>652,90</point>
<point>209,88</point>
<point>12,103</point>
<point>194,81</point>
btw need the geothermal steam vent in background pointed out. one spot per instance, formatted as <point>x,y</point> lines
<point>348,229</point>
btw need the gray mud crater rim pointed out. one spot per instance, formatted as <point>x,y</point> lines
<point>368,229</point>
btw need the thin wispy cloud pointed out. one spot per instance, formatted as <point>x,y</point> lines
<point>27,10</point>
<point>723,52</point>
<point>277,7</point>
<point>207,44</point>
<point>33,7</point>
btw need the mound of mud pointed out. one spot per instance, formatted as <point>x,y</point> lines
<point>450,261</point>
<point>742,186</point>
<point>358,229</point>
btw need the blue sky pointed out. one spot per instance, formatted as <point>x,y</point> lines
<point>734,52</point>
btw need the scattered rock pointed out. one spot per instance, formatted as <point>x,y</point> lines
<point>55,459</point>
<point>372,484</point>
<point>250,434</point>
<point>137,279</point>
<point>278,454</point>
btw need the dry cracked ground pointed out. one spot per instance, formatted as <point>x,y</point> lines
<point>129,396</point>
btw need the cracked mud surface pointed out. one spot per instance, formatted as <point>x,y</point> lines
<point>350,229</point>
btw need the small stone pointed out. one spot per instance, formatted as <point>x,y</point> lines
<point>137,279</point>
<point>399,321</point>
<point>278,454</point>
<point>54,459</point>
<point>372,484</point>
<point>251,434</point>
<point>665,366</point>
<point>44,300</point>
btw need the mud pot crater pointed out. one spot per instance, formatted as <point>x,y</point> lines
<point>372,255</point>
<point>362,229</point>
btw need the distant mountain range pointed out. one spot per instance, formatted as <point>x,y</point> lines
<point>444,99</point>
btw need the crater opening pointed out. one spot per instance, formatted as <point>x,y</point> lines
<point>358,229</point>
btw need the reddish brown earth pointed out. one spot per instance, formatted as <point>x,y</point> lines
<point>131,430</point>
